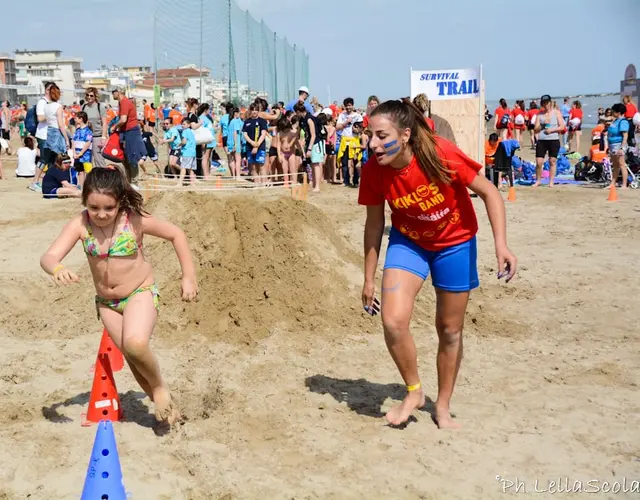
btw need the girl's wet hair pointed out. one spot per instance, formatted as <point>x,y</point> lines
<point>405,115</point>
<point>113,182</point>
<point>283,125</point>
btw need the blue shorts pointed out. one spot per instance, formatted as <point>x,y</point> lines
<point>453,269</point>
<point>260,157</point>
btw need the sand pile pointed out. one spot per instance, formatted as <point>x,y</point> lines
<point>261,265</point>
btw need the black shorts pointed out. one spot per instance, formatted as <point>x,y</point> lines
<point>175,152</point>
<point>5,135</point>
<point>224,141</point>
<point>330,148</point>
<point>551,147</point>
<point>273,152</point>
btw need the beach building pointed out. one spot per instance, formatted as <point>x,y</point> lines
<point>34,67</point>
<point>8,78</point>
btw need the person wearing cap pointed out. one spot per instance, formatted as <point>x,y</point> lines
<point>549,126</point>
<point>303,95</point>
<point>130,133</point>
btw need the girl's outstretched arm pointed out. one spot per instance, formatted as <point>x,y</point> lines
<point>507,262</point>
<point>59,249</point>
<point>170,232</point>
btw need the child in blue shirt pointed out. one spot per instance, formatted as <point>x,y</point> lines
<point>234,143</point>
<point>82,145</point>
<point>188,157</point>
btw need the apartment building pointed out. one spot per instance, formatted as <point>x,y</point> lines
<point>34,67</point>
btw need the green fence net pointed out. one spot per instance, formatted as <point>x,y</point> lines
<point>245,58</point>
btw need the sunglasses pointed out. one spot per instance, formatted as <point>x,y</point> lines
<point>90,95</point>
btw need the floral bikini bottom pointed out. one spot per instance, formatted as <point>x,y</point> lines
<point>119,305</point>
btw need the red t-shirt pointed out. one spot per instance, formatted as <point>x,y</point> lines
<point>431,123</point>
<point>631,110</point>
<point>126,108</point>
<point>576,113</point>
<point>531,113</point>
<point>432,214</point>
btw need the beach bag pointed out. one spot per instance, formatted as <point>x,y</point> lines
<point>519,120</point>
<point>506,118</point>
<point>112,150</point>
<point>203,136</point>
<point>31,121</point>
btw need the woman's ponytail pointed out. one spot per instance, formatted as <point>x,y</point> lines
<point>423,144</point>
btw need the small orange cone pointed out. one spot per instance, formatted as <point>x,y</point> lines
<point>218,182</point>
<point>613,194</point>
<point>104,403</point>
<point>512,194</point>
<point>116,359</point>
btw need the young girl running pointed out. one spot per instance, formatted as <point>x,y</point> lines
<point>424,179</point>
<point>127,300</point>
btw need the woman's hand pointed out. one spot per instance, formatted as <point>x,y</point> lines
<point>507,263</point>
<point>189,289</point>
<point>369,301</point>
<point>65,277</point>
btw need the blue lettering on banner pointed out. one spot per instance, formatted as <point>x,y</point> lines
<point>439,76</point>
<point>452,87</point>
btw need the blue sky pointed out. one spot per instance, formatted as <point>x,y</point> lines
<point>363,47</point>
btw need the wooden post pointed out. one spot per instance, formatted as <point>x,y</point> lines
<point>305,186</point>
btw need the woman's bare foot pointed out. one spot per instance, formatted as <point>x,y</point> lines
<point>398,415</point>
<point>536,184</point>
<point>444,420</point>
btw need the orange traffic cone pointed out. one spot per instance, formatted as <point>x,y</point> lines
<point>613,194</point>
<point>104,403</point>
<point>218,182</point>
<point>116,359</point>
<point>512,194</point>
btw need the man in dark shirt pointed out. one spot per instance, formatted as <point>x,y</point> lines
<point>255,132</point>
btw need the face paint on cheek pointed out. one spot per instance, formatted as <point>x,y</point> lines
<point>392,151</point>
<point>390,144</point>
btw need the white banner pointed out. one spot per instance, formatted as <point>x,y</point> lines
<point>446,84</point>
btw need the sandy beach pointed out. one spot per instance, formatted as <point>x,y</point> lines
<point>284,380</point>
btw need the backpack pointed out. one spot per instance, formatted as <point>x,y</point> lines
<point>31,121</point>
<point>506,118</point>
<point>112,150</point>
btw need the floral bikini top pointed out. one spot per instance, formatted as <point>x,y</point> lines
<point>124,245</point>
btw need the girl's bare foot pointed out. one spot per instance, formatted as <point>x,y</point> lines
<point>166,412</point>
<point>398,415</point>
<point>444,420</point>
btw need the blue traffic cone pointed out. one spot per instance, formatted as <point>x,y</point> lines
<point>104,476</point>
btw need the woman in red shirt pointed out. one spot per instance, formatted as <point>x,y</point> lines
<point>532,116</point>
<point>503,119</point>
<point>424,179</point>
<point>575,124</point>
<point>519,120</point>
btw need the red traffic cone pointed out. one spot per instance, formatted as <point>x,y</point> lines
<point>104,403</point>
<point>116,359</point>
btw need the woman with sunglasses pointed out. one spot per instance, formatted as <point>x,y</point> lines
<point>97,116</point>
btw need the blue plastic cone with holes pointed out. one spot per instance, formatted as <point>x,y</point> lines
<point>104,476</point>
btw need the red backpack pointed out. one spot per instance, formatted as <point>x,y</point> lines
<point>112,150</point>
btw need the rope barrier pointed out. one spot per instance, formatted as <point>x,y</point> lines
<point>297,191</point>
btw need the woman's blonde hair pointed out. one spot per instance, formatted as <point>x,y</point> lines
<point>422,102</point>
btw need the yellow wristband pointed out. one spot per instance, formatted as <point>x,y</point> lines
<point>59,267</point>
<point>414,387</point>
